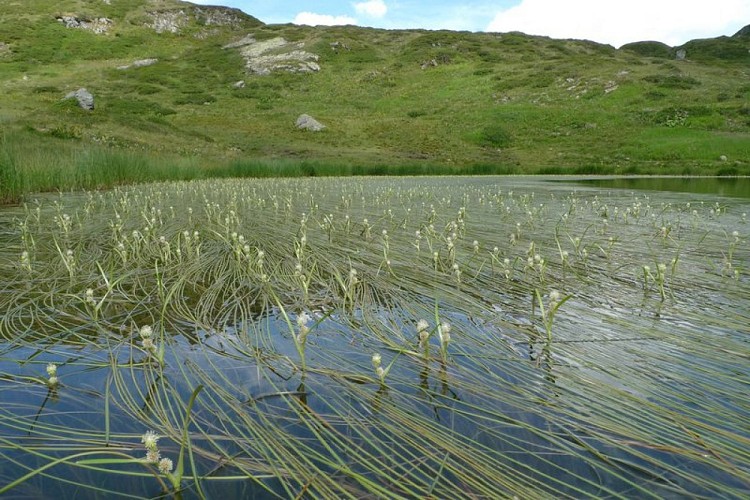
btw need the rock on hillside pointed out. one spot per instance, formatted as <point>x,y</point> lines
<point>276,54</point>
<point>307,122</point>
<point>175,20</point>
<point>140,63</point>
<point>99,25</point>
<point>171,21</point>
<point>84,97</point>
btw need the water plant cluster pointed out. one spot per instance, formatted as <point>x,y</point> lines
<point>452,338</point>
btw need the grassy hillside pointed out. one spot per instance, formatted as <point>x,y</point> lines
<point>498,102</point>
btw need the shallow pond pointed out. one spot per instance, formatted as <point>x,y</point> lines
<point>448,337</point>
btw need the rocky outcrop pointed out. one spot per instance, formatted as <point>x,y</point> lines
<point>99,25</point>
<point>176,20</point>
<point>307,122</point>
<point>245,40</point>
<point>276,54</point>
<point>140,63</point>
<point>84,97</point>
<point>171,21</point>
<point>219,16</point>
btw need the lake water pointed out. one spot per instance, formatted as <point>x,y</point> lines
<point>719,186</point>
<point>635,387</point>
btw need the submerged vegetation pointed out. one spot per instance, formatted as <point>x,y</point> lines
<point>446,338</point>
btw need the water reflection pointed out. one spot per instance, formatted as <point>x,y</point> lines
<point>737,187</point>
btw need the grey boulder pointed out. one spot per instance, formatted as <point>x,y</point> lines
<point>84,97</point>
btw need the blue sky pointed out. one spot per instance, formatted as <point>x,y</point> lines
<point>607,21</point>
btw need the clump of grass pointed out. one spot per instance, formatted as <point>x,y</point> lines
<point>11,180</point>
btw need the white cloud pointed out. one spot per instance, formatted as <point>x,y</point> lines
<point>371,8</point>
<point>621,21</point>
<point>313,19</point>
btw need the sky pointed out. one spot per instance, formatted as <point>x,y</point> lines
<point>615,22</point>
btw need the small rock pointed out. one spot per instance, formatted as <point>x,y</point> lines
<point>432,63</point>
<point>336,46</point>
<point>140,63</point>
<point>680,55</point>
<point>84,97</point>
<point>307,122</point>
<point>723,158</point>
<point>144,62</point>
<point>239,85</point>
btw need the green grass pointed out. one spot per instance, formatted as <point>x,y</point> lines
<point>32,164</point>
<point>514,102</point>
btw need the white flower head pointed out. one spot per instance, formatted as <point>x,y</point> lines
<point>146,331</point>
<point>424,335</point>
<point>152,456</point>
<point>422,326</point>
<point>303,319</point>
<point>444,331</point>
<point>376,360</point>
<point>165,465</point>
<point>150,440</point>
<point>51,369</point>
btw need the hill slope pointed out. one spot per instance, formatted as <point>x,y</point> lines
<point>165,76</point>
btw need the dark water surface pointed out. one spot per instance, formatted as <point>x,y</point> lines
<point>737,187</point>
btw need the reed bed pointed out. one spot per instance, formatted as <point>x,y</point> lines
<point>368,338</point>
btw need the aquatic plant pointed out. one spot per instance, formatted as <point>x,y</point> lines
<point>345,359</point>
